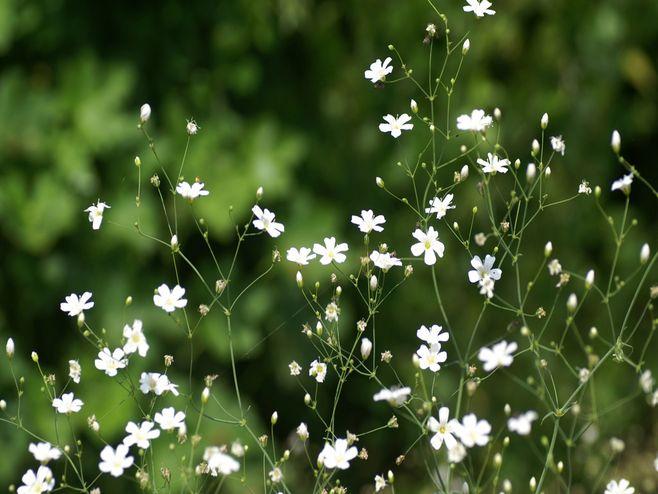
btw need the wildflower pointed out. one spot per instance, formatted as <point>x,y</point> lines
<point>493,164</point>
<point>584,188</point>
<point>75,305</point>
<point>396,125</point>
<point>96,214</point>
<point>440,206</point>
<point>444,428</point>
<point>318,370</point>
<point>583,375</point>
<point>480,239</point>
<point>457,453</point>
<point>68,403</point>
<point>111,362</point>
<point>331,312</point>
<point>337,456</point>
<point>522,424</point>
<point>299,256</point>
<point>145,112</point>
<point>477,121</point>
<point>395,396</point>
<point>622,486</point>
<point>429,244</point>
<point>170,299</point>
<point>36,483</point>
<point>115,461</point>
<point>237,449</point>
<point>558,145</point>
<point>152,382</point>
<point>431,357</point>
<point>330,252</point>
<point>75,371</point>
<point>647,381</point>
<point>169,419</point>
<point>191,192</point>
<point>44,452</point>
<point>623,184</point>
<point>554,267</point>
<point>483,269</point>
<point>380,483</point>
<point>384,261</point>
<point>219,462</point>
<point>135,339</point>
<point>265,221</point>
<point>276,475</point>
<point>433,336</point>
<point>472,431</point>
<point>366,348</point>
<point>192,128</point>
<point>500,355</point>
<point>140,435</point>
<point>302,431</point>
<point>295,368</point>
<point>379,70</point>
<point>368,222</point>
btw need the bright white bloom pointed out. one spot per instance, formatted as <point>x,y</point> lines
<point>396,125</point>
<point>265,221</point>
<point>115,461</point>
<point>622,486</point>
<point>472,431</point>
<point>368,222</point>
<point>111,362</point>
<point>9,348</point>
<point>318,370</point>
<point>623,184</point>
<point>152,382</point>
<point>145,112</point>
<point>75,371</point>
<point>96,214</point>
<point>493,164</point>
<point>457,453</point>
<point>500,355</point>
<point>67,404</point>
<point>554,267</point>
<point>170,419</point>
<point>44,452</point>
<point>219,462</point>
<point>483,269</point>
<point>237,449</point>
<point>170,299</point>
<point>384,261</point>
<point>584,188</point>
<point>615,141</point>
<point>558,145</point>
<point>191,192</point>
<point>429,244</point>
<point>192,127</point>
<point>522,424</point>
<point>302,431</point>
<point>645,252</point>
<point>331,312</point>
<point>276,475</point>
<point>431,357</point>
<point>477,121</point>
<point>444,429</point>
<point>299,256</point>
<point>440,206</point>
<point>433,336</point>
<point>366,348</point>
<point>295,368</point>
<point>647,381</point>
<point>36,483</point>
<point>487,286</point>
<point>379,70</point>
<point>395,396</point>
<point>75,305</point>
<point>140,435</point>
<point>337,456</point>
<point>583,375</point>
<point>135,339</point>
<point>330,252</point>
<point>380,483</point>
<point>479,7</point>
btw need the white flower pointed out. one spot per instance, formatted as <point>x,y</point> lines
<point>75,305</point>
<point>337,456</point>
<point>472,431</point>
<point>483,269</point>
<point>444,428</point>
<point>135,339</point>
<point>67,404</point>
<point>487,286</point>
<point>111,362</point>
<point>115,461</point>
<point>331,312</point>
<point>477,121</point>
<point>42,481</point>
<point>493,164</point>
<point>431,357</point>
<point>554,267</point>
<point>429,244</point>
<point>366,348</point>
<point>145,112</point>
<point>276,475</point>
<point>170,299</point>
<point>75,371</point>
<point>380,483</point>
<point>457,453</point>
<point>615,141</point>
<point>378,70</point>
<point>623,184</point>
<point>265,221</point>
<point>330,252</point>
<point>192,127</point>
<point>479,7</point>
<point>384,261</point>
<point>396,125</point>
<point>500,355</point>
<point>295,368</point>
<point>191,192</point>
<point>368,222</point>
<point>96,214</point>
<point>299,256</point>
<point>219,462</point>
<point>558,145</point>
<point>169,419</point>
<point>622,486</point>
<point>395,396</point>
<point>440,206</point>
<point>647,381</point>
<point>584,188</point>
<point>237,449</point>
<point>152,382</point>
<point>522,424</point>
<point>302,431</point>
<point>318,370</point>
<point>44,452</point>
<point>433,336</point>
<point>140,435</point>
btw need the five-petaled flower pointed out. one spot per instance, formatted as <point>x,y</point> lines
<point>522,424</point>
<point>135,339</point>
<point>191,191</point>
<point>472,432</point>
<point>96,214</point>
<point>75,305</point>
<point>141,434</point>
<point>170,299</point>
<point>36,483</point>
<point>431,357</point>
<point>368,222</point>
<point>500,355</point>
<point>440,206</point>
<point>622,486</point>
<point>299,256</point>
<point>337,456</point>
<point>623,184</point>
<point>169,419</point>
<point>330,252</point>
<point>115,461</point>
<point>493,164</point>
<point>479,7</point>
<point>444,429</point>
<point>396,125</point>
<point>379,70</point>
<point>477,121</point>
<point>428,245</point>
<point>265,221</point>
<point>111,362</point>
<point>67,403</point>
<point>434,335</point>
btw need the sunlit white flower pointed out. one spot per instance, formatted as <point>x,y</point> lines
<point>265,221</point>
<point>110,362</point>
<point>331,312</point>
<point>554,267</point>
<point>558,145</point>
<point>431,357</point>
<point>487,284</point>
<point>500,355</point>
<point>75,305</point>
<point>75,371</point>
<point>379,70</point>
<point>647,381</point>
<point>396,125</point>
<point>135,339</point>
<point>428,244</point>
<point>330,252</point>
<point>434,335</point>
<point>96,214</point>
<point>141,434</point>
<point>169,419</point>
<point>444,429</point>
<point>299,256</point>
<point>192,127</point>
<point>584,188</point>
<point>318,370</point>
<point>67,403</point>
<point>295,368</point>
<point>477,121</point>
<point>275,475</point>
<point>395,396</point>
<point>170,299</point>
<point>622,486</point>
<point>479,7</point>
<point>384,260</point>
<point>440,206</point>
<point>482,269</point>
<point>522,424</point>
<point>493,164</point>
<point>337,456</point>
<point>44,452</point>
<point>115,461</point>
<point>472,432</point>
<point>368,222</point>
<point>623,184</point>
<point>191,192</point>
<point>152,382</point>
<point>380,483</point>
<point>219,462</point>
<point>36,483</point>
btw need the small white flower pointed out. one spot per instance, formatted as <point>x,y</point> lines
<point>477,121</point>
<point>483,269</point>
<point>500,355</point>
<point>75,305</point>
<point>440,206</point>
<point>428,244</point>
<point>583,375</point>
<point>111,362</point>
<point>219,462</point>
<point>191,192</point>
<point>169,419</point>
<point>493,164</point>
<point>299,256</point>
<point>457,453</point>
<point>152,382</point>
<point>584,188</point>
<point>622,486</point>
<point>265,221</point>
<point>68,403</point>
<point>647,381</point>
<point>330,252</point>
<point>384,261</point>
<point>623,184</point>
<point>75,371</point>
<point>192,127</point>
<point>487,286</point>
<point>318,370</point>
<point>237,449</point>
<point>302,431</point>
<point>276,475</point>
<point>479,7</point>
<point>337,456</point>
<point>368,222</point>
<point>135,339</point>
<point>379,70</point>
<point>395,396</point>
<point>433,336</point>
<point>115,461</point>
<point>558,145</point>
<point>36,483</point>
<point>444,430</point>
<point>96,214</point>
<point>380,483</point>
<point>396,125</point>
<point>554,267</point>
<point>44,452</point>
<point>431,357</point>
<point>170,299</point>
<point>140,435</point>
<point>331,312</point>
<point>145,112</point>
<point>295,368</point>
<point>522,424</point>
<point>472,431</point>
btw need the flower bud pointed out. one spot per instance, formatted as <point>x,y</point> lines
<point>3,405</point>
<point>366,348</point>
<point>497,113</point>
<point>128,302</point>
<point>531,172</point>
<point>302,431</point>
<point>174,243</point>
<point>548,249</point>
<point>391,477</point>
<point>547,172</point>
<point>572,302</point>
<point>138,162</point>
<point>535,147</point>
<point>35,357</point>
<point>274,418</point>
<point>300,279</point>
<point>307,399</point>
<point>615,142</point>
<point>10,348</point>
<point>466,46</point>
<point>593,332</point>
<point>560,466</point>
<point>414,106</point>
<point>498,459</point>
<point>544,121</point>
<point>589,279</point>
<point>645,252</point>
<point>205,395</point>
<point>379,182</point>
<point>259,193</point>
<point>145,112</point>
<point>507,409</point>
<point>533,484</point>
<point>373,283</point>
<point>463,173</point>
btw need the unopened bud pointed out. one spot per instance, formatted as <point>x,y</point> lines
<point>373,283</point>
<point>366,348</point>
<point>205,395</point>
<point>535,147</point>
<point>274,418</point>
<point>35,357</point>
<point>589,279</point>
<point>10,348</point>
<point>259,193</point>
<point>531,172</point>
<point>463,173</point>
<point>572,302</point>
<point>145,112</point>
<point>645,252</point>
<point>466,46</point>
<point>300,279</point>
<point>414,106</point>
<point>548,249</point>
<point>615,142</point>
<point>544,121</point>
<point>379,182</point>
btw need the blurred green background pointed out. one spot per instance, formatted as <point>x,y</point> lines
<point>277,87</point>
